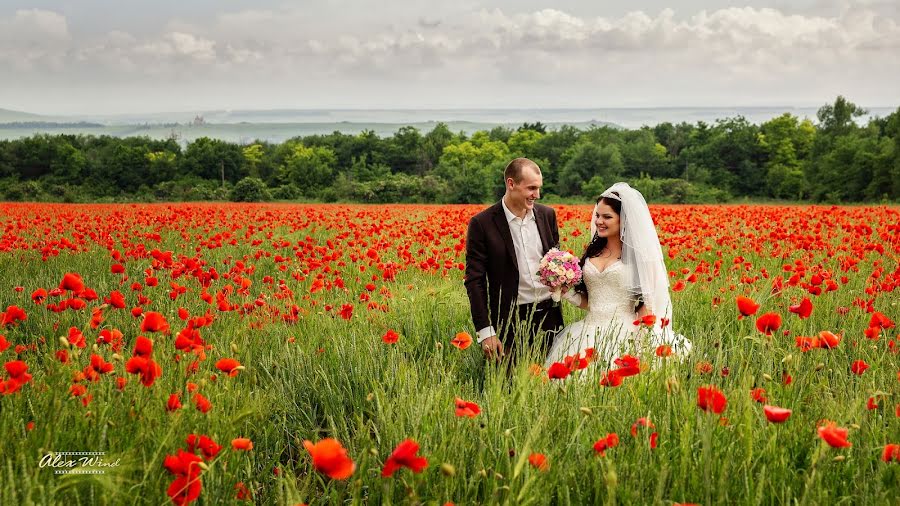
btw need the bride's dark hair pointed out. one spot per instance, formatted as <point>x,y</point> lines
<point>597,243</point>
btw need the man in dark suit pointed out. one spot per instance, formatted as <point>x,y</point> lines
<point>504,246</point>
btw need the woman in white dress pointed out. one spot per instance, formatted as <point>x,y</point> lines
<point>624,281</point>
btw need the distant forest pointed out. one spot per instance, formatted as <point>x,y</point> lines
<point>831,160</point>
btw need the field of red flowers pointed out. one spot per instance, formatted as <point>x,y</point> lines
<point>321,353</point>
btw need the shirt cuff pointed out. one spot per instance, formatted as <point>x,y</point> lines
<point>486,333</point>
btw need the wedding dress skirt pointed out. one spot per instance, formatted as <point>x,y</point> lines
<point>608,327</point>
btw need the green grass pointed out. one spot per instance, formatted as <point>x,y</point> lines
<point>338,379</point>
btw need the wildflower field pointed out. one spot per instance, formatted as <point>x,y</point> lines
<point>321,354</point>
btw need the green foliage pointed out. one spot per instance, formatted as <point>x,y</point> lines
<point>473,169</point>
<point>250,189</point>
<point>589,160</point>
<point>286,192</point>
<point>833,160</point>
<point>309,168</point>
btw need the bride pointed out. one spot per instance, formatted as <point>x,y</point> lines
<point>624,286</point>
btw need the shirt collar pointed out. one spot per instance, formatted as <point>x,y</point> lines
<point>529,215</point>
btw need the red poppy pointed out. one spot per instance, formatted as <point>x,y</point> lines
<point>146,367</point>
<point>873,403</point>
<point>539,461</point>
<point>746,306</point>
<point>835,436</point>
<point>207,446</point>
<point>346,311</point>
<point>76,338</point>
<point>241,492</point>
<point>628,366</point>
<point>881,321</point>
<point>242,443</point>
<point>557,370</point>
<point>115,299</point>
<point>202,403</point>
<point>100,366</point>
<point>390,337</point>
<point>807,343</point>
<point>711,399</point>
<point>611,379</point>
<point>174,403</point>
<point>640,422</point>
<point>891,453</point>
<point>828,339</point>
<point>663,350</point>
<point>404,455</point>
<point>154,322</point>
<point>18,376</point>
<point>143,347</point>
<point>858,367</point>
<point>187,486</point>
<point>71,281</point>
<point>466,408</point>
<point>647,320</point>
<point>39,295</point>
<point>13,314</point>
<point>803,310</point>
<point>768,323</point>
<point>330,458</point>
<point>611,440</point>
<point>462,340</point>
<point>758,395</point>
<point>775,414</point>
<point>230,366</point>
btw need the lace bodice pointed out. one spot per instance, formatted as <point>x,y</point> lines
<point>607,296</point>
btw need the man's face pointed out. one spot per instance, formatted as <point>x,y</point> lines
<point>526,191</point>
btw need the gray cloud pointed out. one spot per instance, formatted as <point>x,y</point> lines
<point>488,53</point>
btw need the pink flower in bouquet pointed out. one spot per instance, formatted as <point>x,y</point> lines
<point>558,270</point>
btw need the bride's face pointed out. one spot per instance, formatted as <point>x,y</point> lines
<point>606,220</point>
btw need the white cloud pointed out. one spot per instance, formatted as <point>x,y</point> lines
<point>488,53</point>
<point>33,38</point>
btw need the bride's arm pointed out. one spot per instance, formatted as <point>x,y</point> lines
<point>577,299</point>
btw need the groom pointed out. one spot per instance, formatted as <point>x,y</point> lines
<point>504,246</point>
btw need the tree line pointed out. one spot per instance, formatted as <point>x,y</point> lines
<point>834,159</point>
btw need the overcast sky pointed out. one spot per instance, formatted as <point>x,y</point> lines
<point>118,56</point>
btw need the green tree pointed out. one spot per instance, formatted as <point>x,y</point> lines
<point>435,141</point>
<point>253,157</point>
<point>474,173</point>
<point>588,161</point>
<point>641,153</point>
<point>309,168</point>
<point>212,158</point>
<point>786,142</point>
<point>250,189</point>
<point>406,152</point>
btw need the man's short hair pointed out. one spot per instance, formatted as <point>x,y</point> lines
<point>515,168</point>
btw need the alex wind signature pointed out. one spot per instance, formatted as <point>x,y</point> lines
<point>84,462</point>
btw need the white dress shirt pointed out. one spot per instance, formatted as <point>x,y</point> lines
<point>529,252</point>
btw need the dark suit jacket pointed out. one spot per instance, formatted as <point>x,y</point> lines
<point>492,273</point>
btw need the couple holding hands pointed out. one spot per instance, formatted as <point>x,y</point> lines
<point>624,283</point>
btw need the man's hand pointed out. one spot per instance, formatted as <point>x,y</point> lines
<point>493,348</point>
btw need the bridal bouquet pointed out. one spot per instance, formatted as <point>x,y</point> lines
<point>558,270</point>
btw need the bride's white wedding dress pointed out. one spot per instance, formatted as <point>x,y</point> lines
<point>608,327</point>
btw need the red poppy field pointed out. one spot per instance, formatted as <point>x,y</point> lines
<point>291,354</point>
